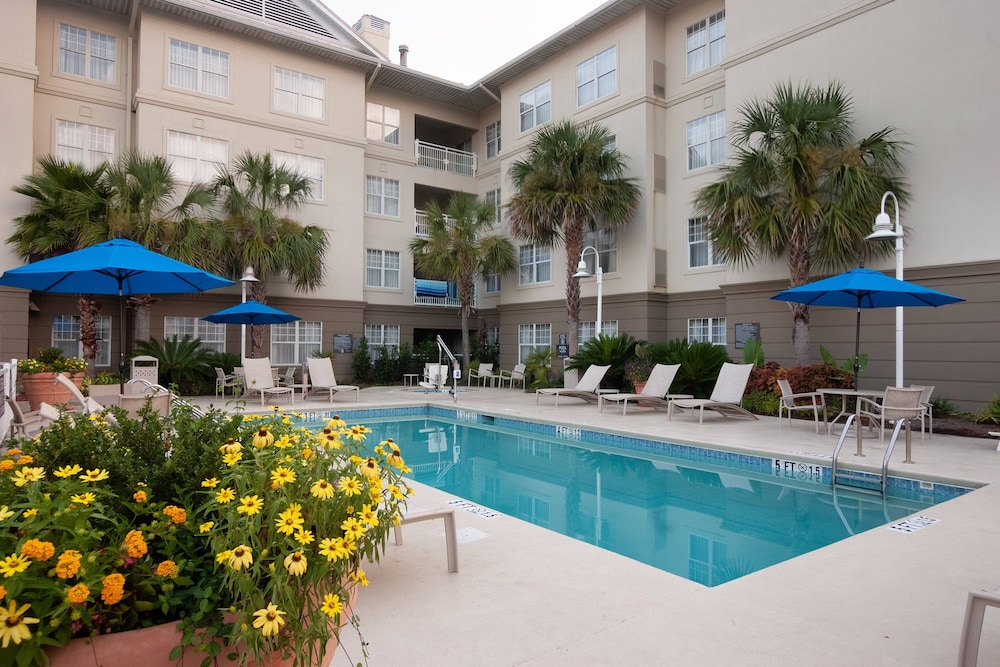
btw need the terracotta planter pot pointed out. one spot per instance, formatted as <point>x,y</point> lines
<point>40,387</point>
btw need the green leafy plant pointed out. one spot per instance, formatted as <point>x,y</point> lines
<point>846,365</point>
<point>183,362</point>
<point>943,407</point>
<point>386,366</point>
<point>361,364</point>
<point>761,402</point>
<point>536,367</point>
<point>602,350</point>
<point>700,364</point>
<point>51,360</point>
<point>753,352</point>
<point>991,413</point>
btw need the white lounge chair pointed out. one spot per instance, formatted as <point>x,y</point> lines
<point>726,396</point>
<point>260,380</point>
<point>26,424</point>
<point>787,403</point>
<point>586,388</point>
<point>87,404</point>
<point>654,394</point>
<point>323,379</point>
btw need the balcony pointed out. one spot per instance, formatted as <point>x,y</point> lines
<point>446,159</point>
<point>438,293</point>
<point>421,226</point>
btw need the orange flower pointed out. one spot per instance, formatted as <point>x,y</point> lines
<point>78,594</point>
<point>176,514</point>
<point>167,568</point>
<point>140,496</point>
<point>135,545</point>
<point>38,550</point>
<point>68,564</point>
<point>114,588</point>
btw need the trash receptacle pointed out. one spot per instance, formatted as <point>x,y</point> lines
<point>146,368</point>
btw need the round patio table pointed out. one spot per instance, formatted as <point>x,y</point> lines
<point>845,394</point>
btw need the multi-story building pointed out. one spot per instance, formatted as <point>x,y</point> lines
<point>201,81</point>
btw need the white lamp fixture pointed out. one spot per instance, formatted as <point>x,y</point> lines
<point>582,272</point>
<point>248,277</point>
<point>885,229</point>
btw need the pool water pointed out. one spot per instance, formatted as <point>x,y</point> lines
<point>698,515</point>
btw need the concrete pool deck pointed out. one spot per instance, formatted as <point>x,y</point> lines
<point>527,596</point>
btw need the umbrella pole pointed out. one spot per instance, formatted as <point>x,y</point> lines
<point>121,340</point>
<point>857,349</point>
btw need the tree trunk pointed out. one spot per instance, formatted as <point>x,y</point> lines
<point>258,292</point>
<point>142,305</point>
<point>573,237</point>
<point>89,308</point>
<point>799,269</point>
<point>465,298</point>
<point>800,333</point>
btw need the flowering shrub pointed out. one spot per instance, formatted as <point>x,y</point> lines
<point>50,360</point>
<point>290,517</point>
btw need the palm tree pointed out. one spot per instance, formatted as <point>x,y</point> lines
<point>571,181</point>
<point>256,196</point>
<point>457,249</point>
<point>800,184</point>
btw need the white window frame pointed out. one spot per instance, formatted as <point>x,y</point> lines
<point>381,335</point>
<point>493,197</point>
<point>706,141</point>
<point>492,335</point>
<point>536,106</point>
<point>587,330</point>
<point>299,94</point>
<point>208,74</point>
<point>84,144</point>
<point>530,337</point>
<point>96,52</point>
<point>382,268</point>
<point>294,342</point>
<point>211,335</point>
<point>382,123</point>
<point>493,140</point>
<point>597,77</point>
<point>705,43</point>
<point>66,336</point>
<point>534,264</point>
<point>605,241</point>
<point>700,244</point>
<point>198,164</point>
<point>313,168</point>
<point>707,330</point>
<point>492,285</point>
<point>382,196</point>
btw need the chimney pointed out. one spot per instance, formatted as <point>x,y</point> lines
<point>404,50</point>
<point>375,31</point>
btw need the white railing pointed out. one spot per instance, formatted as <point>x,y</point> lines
<point>443,158</point>
<point>422,226</point>
<point>436,293</point>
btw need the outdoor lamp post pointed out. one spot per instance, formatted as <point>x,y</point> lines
<point>582,272</point>
<point>248,277</point>
<point>885,229</point>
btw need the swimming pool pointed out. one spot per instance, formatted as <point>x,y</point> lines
<point>707,515</point>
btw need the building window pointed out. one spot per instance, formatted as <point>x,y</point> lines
<point>493,197</point>
<point>492,335</point>
<point>66,336</point>
<point>588,330</point>
<point>381,335</point>
<point>87,53</point>
<point>88,145</point>
<point>597,77</point>
<point>707,330</point>
<point>699,244</point>
<point>706,43</point>
<point>535,264</point>
<point>706,558</point>
<point>298,93</point>
<point>199,68</point>
<point>536,106</point>
<point>195,158</point>
<point>312,168</point>
<point>492,140</point>
<point>382,124</point>
<point>212,336</point>
<point>706,140</point>
<point>294,342</point>
<point>605,241</point>
<point>492,283</point>
<point>531,337</point>
<point>382,196</point>
<point>382,269</point>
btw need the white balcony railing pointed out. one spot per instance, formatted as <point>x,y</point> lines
<point>438,293</point>
<point>421,226</point>
<point>447,159</point>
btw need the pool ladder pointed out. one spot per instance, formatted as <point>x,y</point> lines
<point>174,398</point>
<point>841,477</point>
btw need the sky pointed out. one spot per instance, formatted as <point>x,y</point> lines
<point>464,40</point>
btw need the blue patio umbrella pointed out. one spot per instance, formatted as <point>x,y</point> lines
<point>864,288</point>
<point>251,312</point>
<point>119,267</point>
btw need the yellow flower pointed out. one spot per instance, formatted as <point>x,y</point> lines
<point>307,453</point>
<point>331,440</point>
<point>225,496</point>
<point>351,486</point>
<point>304,537</point>
<point>25,475</point>
<point>331,605</point>
<point>281,476</point>
<point>250,505</point>
<point>210,483</point>
<point>13,564</point>
<point>358,576</point>
<point>357,433</point>
<point>14,624</point>
<point>38,550</point>
<point>83,498</point>
<point>205,527</point>
<point>241,557</point>
<point>395,457</point>
<point>395,492</point>
<point>336,422</point>
<point>288,522</point>
<point>232,459</point>
<point>370,469</point>
<point>296,564</point>
<point>68,564</point>
<point>322,489</point>
<point>28,513</point>
<point>5,513</point>
<point>95,475</point>
<point>167,568</point>
<point>223,556</point>
<point>78,594</point>
<point>135,544</point>
<point>269,620</point>
<point>368,516</point>
<point>176,514</point>
<point>263,438</point>
<point>283,442</point>
<point>352,528</point>
<point>114,588</point>
<point>140,496</point>
<point>231,447</point>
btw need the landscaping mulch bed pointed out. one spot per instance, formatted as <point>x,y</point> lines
<point>963,426</point>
